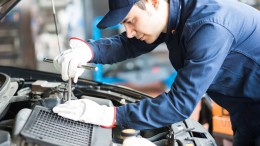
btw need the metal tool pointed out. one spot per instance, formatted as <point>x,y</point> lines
<point>55,22</point>
<point>57,34</point>
<point>51,61</point>
<point>69,88</point>
<point>80,66</point>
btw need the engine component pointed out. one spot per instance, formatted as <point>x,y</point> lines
<point>41,86</point>
<point>129,132</point>
<point>5,138</point>
<point>189,132</point>
<point>20,120</point>
<point>7,90</point>
<point>47,128</point>
<point>19,123</point>
<point>49,94</point>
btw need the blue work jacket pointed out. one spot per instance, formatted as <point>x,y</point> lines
<point>214,45</point>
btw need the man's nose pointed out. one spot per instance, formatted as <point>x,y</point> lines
<point>130,32</point>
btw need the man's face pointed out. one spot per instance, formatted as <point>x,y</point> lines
<point>145,25</point>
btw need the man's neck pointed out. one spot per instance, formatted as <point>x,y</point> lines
<point>165,12</point>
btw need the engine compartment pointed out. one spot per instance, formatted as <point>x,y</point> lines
<point>22,99</point>
<point>26,93</point>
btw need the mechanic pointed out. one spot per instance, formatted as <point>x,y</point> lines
<point>213,44</point>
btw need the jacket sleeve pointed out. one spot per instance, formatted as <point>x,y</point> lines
<point>206,49</point>
<point>118,48</point>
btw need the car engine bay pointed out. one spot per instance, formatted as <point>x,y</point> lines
<point>26,118</point>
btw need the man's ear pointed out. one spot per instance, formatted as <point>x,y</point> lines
<point>155,3</point>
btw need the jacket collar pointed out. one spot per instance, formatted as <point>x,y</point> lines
<point>180,10</point>
<point>174,16</point>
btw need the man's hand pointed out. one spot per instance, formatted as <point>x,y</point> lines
<point>87,111</point>
<point>68,61</point>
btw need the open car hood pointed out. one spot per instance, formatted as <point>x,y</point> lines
<point>6,6</point>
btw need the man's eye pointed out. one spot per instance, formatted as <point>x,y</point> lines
<point>130,21</point>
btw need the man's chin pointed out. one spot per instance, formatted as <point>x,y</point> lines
<point>149,41</point>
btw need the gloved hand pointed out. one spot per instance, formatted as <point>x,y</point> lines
<point>87,111</point>
<point>137,141</point>
<point>69,60</point>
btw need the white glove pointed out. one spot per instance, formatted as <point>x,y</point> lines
<point>69,60</point>
<point>87,111</point>
<point>137,141</point>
